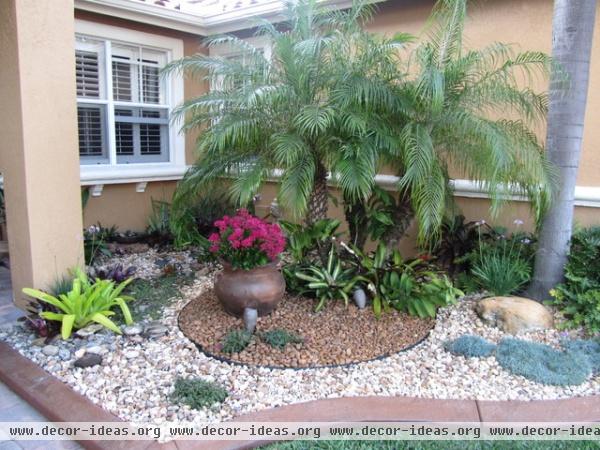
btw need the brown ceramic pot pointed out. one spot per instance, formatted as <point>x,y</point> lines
<point>260,288</point>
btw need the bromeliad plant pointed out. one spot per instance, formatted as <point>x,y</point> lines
<point>328,282</point>
<point>85,303</point>
<point>246,242</point>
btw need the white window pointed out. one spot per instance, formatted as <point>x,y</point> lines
<point>261,43</point>
<point>124,104</point>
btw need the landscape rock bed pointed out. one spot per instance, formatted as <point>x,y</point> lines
<point>137,374</point>
<point>334,336</point>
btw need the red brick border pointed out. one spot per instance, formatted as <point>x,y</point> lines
<point>59,403</point>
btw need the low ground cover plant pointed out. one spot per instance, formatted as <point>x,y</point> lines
<point>153,295</point>
<point>279,338</point>
<point>470,346</point>
<point>198,393</point>
<point>236,341</point>
<point>116,273</point>
<point>87,301</point>
<point>542,363</point>
<point>578,298</point>
<point>538,362</point>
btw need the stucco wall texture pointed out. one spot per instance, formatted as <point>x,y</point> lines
<point>525,23</point>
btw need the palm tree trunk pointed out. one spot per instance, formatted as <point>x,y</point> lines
<point>319,198</point>
<point>573,27</point>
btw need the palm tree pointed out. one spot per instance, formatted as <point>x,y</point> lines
<point>469,111</point>
<point>315,107</point>
<point>573,29</point>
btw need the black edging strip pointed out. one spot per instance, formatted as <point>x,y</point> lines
<point>331,366</point>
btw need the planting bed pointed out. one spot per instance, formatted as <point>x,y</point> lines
<point>138,370</point>
<point>335,335</point>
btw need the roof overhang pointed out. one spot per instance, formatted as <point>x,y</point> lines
<point>204,25</point>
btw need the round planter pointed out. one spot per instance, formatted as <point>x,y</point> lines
<point>261,288</point>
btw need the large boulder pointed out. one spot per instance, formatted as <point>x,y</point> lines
<point>514,315</point>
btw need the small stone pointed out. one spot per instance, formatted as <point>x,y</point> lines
<point>132,330</point>
<point>64,354</point>
<point>89,330</point>
<point>162,262</point>
<point>79,353</point>
<point>39,342</point>
<point>88,360</point>
<point>96,349</point>
<point>50,350</point>
<point>130,354</point>
<point>155,330</point>
<point>360,298</point>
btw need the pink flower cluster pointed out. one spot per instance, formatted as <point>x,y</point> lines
<point>246,237</point>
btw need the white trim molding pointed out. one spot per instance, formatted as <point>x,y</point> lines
<point>201,21</point>
<point>588,196</point>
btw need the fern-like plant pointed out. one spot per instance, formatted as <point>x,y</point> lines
<point>472,111</point>
<point>313,107</point>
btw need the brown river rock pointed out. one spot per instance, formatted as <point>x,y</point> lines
<point>335,335</point>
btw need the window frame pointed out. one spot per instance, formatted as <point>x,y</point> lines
<point>112,171</point>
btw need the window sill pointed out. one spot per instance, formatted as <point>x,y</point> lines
<point>138,173</point>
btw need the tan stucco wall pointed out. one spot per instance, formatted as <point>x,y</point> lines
<point>39,149</point>
<point>528,23</point>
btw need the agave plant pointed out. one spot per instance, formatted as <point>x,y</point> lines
<point>471,111</point>
<point>311,109</point>
<point>86,302</point>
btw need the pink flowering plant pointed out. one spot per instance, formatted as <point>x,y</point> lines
<point>245,241</point>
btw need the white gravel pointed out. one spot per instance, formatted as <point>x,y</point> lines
<point>137,374</point>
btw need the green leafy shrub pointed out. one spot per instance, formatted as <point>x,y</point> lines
<point>501,264</point>
<point>193,221</point>
<point>588,347</point>
<point>470,346</point>
<point>578,298</point>
<point>383,217</point>
<point>307,242</point>
<point>198,393</point>
<point>86,302</point>
<point>413,286</point>
<point>235,341</point>
<point>541,363</point>
<point>279,338</point>
<point>501,274</point>
<point>459,239</point>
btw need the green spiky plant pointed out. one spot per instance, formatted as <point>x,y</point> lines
<point>472,111</point>
<point>315,106</point>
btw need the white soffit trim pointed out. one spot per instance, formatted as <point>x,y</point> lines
<point>196,23</point>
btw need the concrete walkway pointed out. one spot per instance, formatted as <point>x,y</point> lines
<point>12,407</point>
